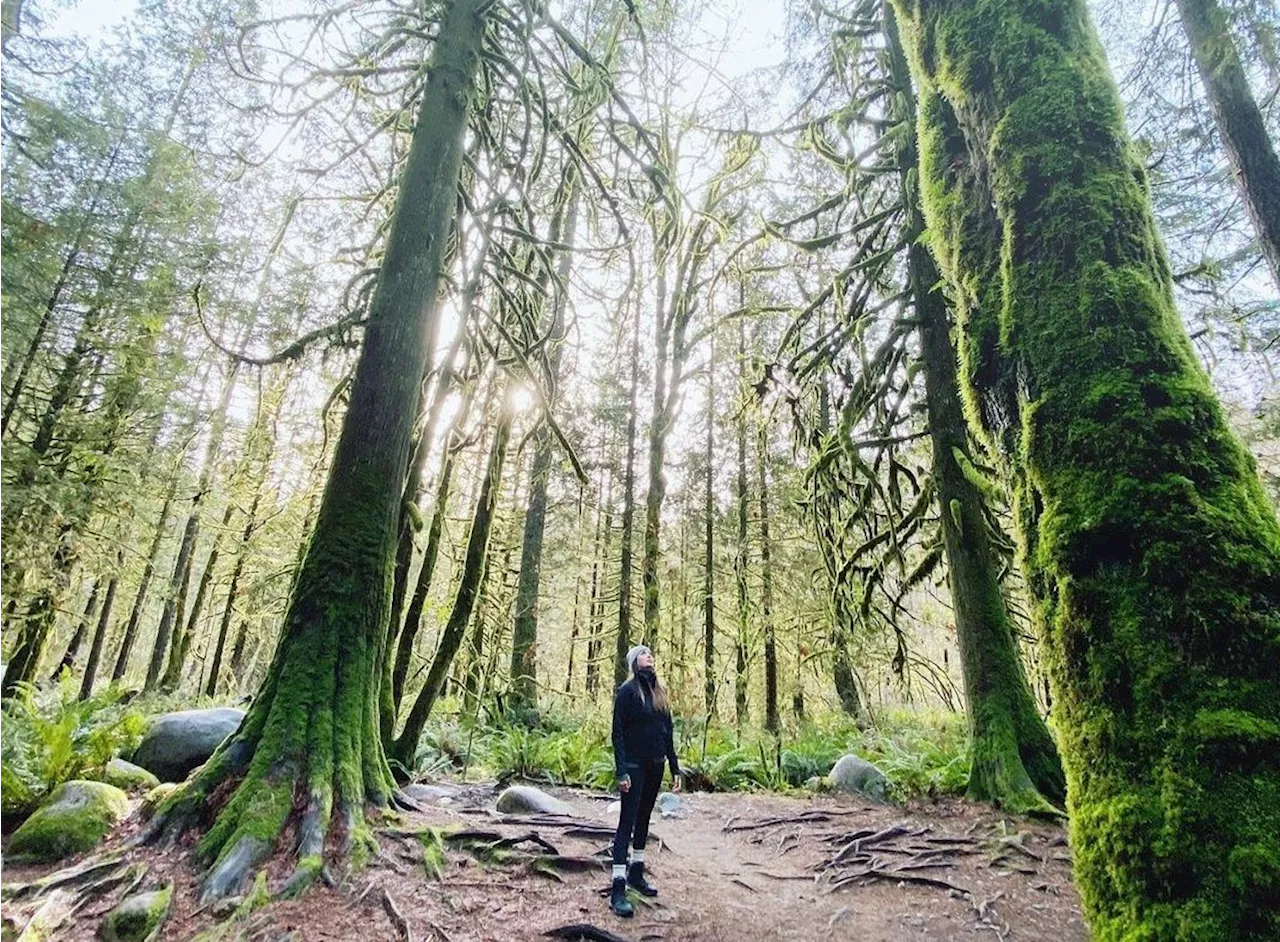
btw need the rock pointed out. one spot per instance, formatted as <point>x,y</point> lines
<point>129,777</point>
<point>152,799</point>
<point>425,794</point>
<point>75,817</point>
<point>525,799</point>
<point>854,775</point>
<point>137,917</point>
<point>175,743</point>
<point>668,804</point>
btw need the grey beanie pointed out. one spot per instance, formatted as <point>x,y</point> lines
<point>635,653</point>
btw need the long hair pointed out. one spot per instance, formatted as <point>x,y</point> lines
<point>657,693</point>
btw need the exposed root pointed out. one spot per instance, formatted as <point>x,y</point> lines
<point>397,919</point>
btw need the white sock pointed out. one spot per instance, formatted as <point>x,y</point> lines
<point>619,871</point>
<point>637,856</point>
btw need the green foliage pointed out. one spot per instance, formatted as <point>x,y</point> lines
<point>50,737</point>
<point>923,755</point>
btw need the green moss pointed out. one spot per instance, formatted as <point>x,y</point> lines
<point>1147,541</point>
<point>128,777</point>
<point>138,917</point>
<point>75,818</point>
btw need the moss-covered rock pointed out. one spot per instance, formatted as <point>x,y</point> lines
<point>137,917</point>
<point>153,799</point>
<point>128,777</point>
<point>76,816</point>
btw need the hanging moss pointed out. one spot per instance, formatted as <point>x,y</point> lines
<point>1147,540</point>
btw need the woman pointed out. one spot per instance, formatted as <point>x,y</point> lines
<point>642,743</point>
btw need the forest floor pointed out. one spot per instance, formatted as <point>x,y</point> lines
<point>729,867</point>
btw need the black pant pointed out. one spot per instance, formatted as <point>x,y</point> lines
<point>637,806</point>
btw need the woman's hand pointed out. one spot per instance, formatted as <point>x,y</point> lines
<point>675,783</point>
<point>624,784</point>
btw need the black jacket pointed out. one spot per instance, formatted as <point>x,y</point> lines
<point>640,733</point>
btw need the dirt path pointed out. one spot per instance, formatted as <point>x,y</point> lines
<point>725,873</point>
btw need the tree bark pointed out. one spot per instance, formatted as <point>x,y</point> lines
<point>1239,120</point>
<point>1014,759</point>
<point>312,730</point>
<point>1148,543</point>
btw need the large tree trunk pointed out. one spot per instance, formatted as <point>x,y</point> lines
<point>1014,759</point>
<point>312,731</point>
<point>464,603</point>
<point>1239,121</point>
<point>1148,543</point>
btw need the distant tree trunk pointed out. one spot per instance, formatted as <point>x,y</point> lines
<point>708,544</point>
<point>233,588</point>
<point>628,511</point>
<point>1147,540</point>
<point>766,590</point>
<point>418,601</point>
<point>170,643</point>
<point>100,631</point>
<point>464,603</point>
<point>69,656</point>
<point>599,603</point>
<point>524,631</point>
<point>1014,759</point>
<point>144,584</point>
<point>1239,120</point>
<point>310,737</point>
<point>741,558</point>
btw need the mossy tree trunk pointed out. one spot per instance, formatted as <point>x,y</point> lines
<point>311,737</point>
<point>474,567</point>
<point>1014,759</point>
<point>1239,120</point>
<point>1148,543</point>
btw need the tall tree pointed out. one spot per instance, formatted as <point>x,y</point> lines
<point>1148,542</point>
<point>1014,759</point>
<point>1239,120</point>
<point>313,727</point>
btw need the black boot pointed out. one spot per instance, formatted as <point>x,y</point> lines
<point>618,901</point>
<point>636,880</point>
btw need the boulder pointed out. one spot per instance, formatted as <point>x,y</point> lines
<point>854,775</point>
<point>668,804</point>
<point>128,777</point>
<point>425,794</point>
<point>175,743</point>
<point>137,917</point>
<point>74,818</point>
<point>525,799</point>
